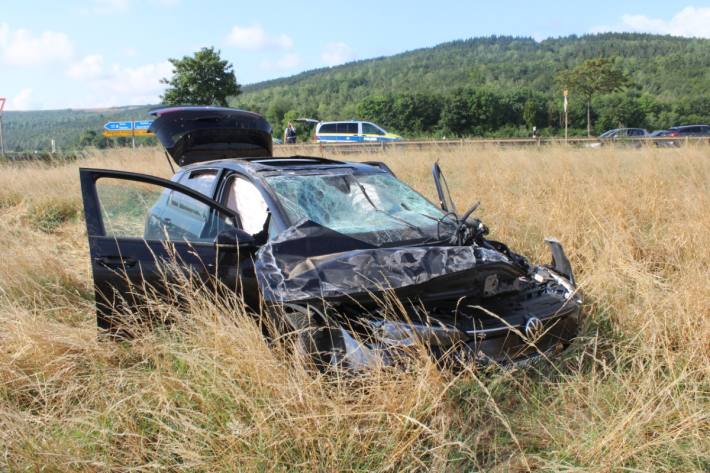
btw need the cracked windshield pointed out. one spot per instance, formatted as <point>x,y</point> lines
<point>375,208</point>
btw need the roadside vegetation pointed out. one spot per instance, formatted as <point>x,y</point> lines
<point>210,394</point>
<point>488,86</point>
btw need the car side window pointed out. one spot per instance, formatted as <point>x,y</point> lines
<point>327,128</point>
<point>134,209</point>
<point>370,129</point>
<point>244,197</point>
<point>202,181</point>
<point>346,128</point>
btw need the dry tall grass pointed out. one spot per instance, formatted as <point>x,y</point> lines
<point>632,394</point>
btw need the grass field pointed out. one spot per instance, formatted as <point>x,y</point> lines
<point>631,394</point>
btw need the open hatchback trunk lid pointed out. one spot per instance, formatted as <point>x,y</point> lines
<point>196,134</point>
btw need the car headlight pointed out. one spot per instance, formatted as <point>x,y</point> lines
<point>408,333</point>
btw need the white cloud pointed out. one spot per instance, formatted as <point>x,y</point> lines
<point>21,101</point>
<point>108,86</point>
<point>255,38</point>
<point>90,67</point>
<point>134,85</point>
<point>337,53</point>
<point>285,62</point>
<point>689,22</point>
<point>23,48</point>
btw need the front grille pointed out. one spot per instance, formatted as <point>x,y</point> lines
<point>510,346</point>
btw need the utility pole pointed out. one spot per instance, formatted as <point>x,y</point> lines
<point>565,93</point>
<point>2,138</point>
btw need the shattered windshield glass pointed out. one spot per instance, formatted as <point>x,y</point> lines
<point>375,208</point>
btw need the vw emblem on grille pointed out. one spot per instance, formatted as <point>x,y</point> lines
<point>534,328</point>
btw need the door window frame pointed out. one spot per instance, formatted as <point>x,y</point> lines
<point>188,174</point>
<point>92,206</point>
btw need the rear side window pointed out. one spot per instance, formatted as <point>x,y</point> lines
<point>187,205</point>
<point>688,130</point>
<point>202,181</point>
<point>327,128</point>
<point>350,128</point>
<point>370,129</point>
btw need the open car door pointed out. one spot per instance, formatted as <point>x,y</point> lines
<point>144,232</point>
<point>442,189</point>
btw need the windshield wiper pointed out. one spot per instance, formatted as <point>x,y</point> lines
<point>439,221</point>
<point>412,226</point>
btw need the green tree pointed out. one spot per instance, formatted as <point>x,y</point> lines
<point>535,112</point>
<point>620,111</point>
<point>88,138</point>
<point>202,79</point>
<point>592,77</point>
<point>455,114</point>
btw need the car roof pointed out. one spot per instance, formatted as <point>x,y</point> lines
<point>680,127</point>
<point>343,121</point>
<point>276,164</point>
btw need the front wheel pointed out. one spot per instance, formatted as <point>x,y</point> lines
<point>313,338</point>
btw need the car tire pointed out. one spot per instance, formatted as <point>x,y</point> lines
<point>313,338</point>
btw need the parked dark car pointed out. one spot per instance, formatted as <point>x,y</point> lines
<point>666,143</point>
<point>626,136</point>
<point>618,133</point>
<point>320,243</point>
<point>690,130</point>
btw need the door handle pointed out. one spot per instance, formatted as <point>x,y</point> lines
<point>116,262</point>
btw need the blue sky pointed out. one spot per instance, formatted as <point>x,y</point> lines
<point>99,53</point>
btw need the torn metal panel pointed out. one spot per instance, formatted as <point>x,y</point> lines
<point>310,261</point>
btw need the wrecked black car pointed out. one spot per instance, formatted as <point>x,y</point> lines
<point>329,243</point>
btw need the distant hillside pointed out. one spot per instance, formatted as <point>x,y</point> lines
<point>479,86</point>
<point>671,78</point>
<point>35,130</point>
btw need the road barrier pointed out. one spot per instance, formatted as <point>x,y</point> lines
<point>376,147</point>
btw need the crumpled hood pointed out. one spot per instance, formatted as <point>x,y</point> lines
<point>310,261</point>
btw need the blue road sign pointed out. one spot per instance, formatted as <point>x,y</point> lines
<point>119,126</point>
<point>142,125</point>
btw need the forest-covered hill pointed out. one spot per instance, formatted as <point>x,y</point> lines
<point>479,86</point>
<point>493,79</point>
<point>34,130</point>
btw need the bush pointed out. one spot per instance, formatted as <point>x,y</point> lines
<point>48,216</point>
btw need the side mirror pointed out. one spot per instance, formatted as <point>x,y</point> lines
<point>234,238</point>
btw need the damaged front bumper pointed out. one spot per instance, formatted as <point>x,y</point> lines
<point>541,320</point>
<point>476,303</point>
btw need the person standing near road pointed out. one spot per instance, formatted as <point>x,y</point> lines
<point>290,134</point>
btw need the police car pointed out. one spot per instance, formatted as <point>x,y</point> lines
<point>349,131</point>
